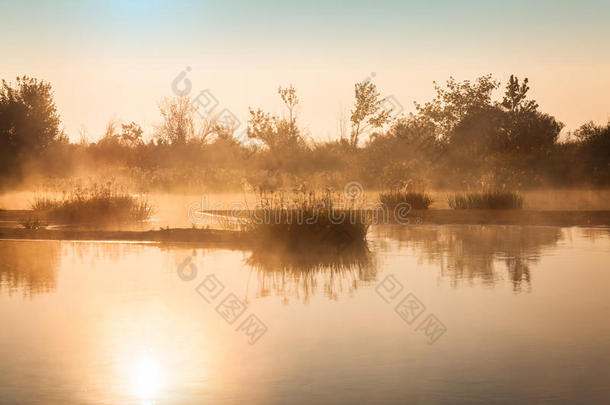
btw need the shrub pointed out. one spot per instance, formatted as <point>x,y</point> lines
<point>417,201</point>
<point>491,200</point>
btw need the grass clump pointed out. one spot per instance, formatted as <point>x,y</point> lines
<point>302,219</point>
<point>417,201</point>
<point>486,200</point>
<point>107,204</point>
<point>31,223</point>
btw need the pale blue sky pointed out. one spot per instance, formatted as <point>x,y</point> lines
<point>117,58</point>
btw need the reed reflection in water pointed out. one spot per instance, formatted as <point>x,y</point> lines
<point>288,273</point>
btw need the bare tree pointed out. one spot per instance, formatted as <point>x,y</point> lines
<point>178,124</point>
<point>290,99</point>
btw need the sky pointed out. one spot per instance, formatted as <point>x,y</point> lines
<point>117,59</point>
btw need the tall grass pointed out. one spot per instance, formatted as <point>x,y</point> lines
<point>94,205</point>
<point>417,201</point>
<point>490,200</point>
<point>43,203</point>
<point>304,218</point>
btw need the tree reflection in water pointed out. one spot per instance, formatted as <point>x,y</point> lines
<point>28,266</point>
<point>469,252</point>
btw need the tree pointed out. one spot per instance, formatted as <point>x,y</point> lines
<point>225,130</point>
<point>290,99</point>
<point>367,113</point>
<point>111,137</point>
<point>526,128</point>
<point>456,102</point>
<point>588,131</point>
<point>178,124</point>
<point>275,132</point>
<point>595,149</point>
<point>131,134</point>
<point>29,122</point>
<point>534,131</point>
<point>515,96</point>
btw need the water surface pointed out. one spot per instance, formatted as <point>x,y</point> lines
<point>525,311</point>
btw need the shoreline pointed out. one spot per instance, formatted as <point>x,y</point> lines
<point>485,217</point>
<point>211,237</point>
<point>230,238</point>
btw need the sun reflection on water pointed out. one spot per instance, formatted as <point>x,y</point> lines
<point>146,378</point>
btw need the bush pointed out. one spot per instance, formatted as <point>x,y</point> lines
<point>490,200</point>
<point>417,201</point>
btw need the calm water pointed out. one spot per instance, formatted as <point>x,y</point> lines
<point>525,312</point>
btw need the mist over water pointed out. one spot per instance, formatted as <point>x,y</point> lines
<point>304,202</point>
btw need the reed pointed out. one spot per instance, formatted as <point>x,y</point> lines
<point>486,200</point>
<point>417,201</point>
<point>94,205</point>
<point>303,218</point>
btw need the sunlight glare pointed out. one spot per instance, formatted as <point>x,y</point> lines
<point>146,377</point>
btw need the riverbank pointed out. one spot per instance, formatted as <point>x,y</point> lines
<point>513,217</point>
<point>178,235</point>
<point>219,237</point>
<point>479,217</point>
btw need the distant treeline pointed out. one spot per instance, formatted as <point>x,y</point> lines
<point>460,139</point>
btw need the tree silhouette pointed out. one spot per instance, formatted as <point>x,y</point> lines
<point>178,124</point>
<point>290,99</point>
<point>275,132</point>
<point>456,102</point>
<point>367,113</point>
<point>29,122</point>
<point>515,96</point>
<point>131,134</point>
